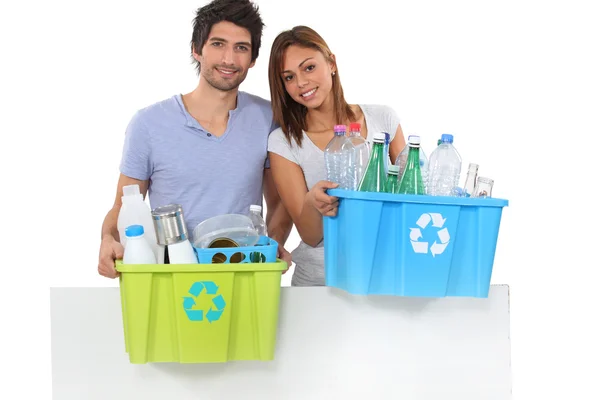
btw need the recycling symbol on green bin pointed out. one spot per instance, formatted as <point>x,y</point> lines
<point>439,244</point>
<point>216,309</point>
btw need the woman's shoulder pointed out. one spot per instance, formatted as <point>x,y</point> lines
<point>378,111</point>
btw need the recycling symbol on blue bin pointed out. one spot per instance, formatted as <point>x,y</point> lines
<point>216,309</point>
<point>436,248</point>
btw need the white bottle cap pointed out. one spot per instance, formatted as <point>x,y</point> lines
<point>131,190</point>
<point>414,139</point>
<point>256,208</point>
<point>394,169</point>
<point>379,137</point>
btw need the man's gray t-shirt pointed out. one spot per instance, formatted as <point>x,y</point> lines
<point>310,261</point>
<point>185,164</point>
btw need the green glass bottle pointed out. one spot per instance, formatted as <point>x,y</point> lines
<point>375,178</point>
<point>393,185</point>
<point>411,181</point>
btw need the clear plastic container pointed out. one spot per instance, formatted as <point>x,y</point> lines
<point>259,223</point>
<point>236,227</point>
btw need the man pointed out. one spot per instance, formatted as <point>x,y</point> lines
<point>205,150</point>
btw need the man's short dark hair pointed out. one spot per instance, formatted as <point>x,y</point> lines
<point>243,13</point>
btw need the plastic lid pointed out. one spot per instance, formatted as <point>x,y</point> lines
<point>131,190</point>
<point>354,126</point>
<point>134,230</point>
<point>414,139</point>
<point>339,129</point>
<point>379,137</point>
<point>255,207</point>
<point>447,138</point>
<point>394,169</point>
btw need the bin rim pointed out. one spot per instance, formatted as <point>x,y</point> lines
<point>279,265</point>
<point>418,199</point>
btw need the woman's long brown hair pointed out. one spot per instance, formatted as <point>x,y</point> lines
<point>290,115</point>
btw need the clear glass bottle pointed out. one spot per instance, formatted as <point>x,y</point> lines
<point>393,185</point>
<point>375,177</point>
<point>484,187</point>
<point>411,181</point>
<point>471,180</point>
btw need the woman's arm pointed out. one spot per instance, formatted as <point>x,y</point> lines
<point>305,207</point>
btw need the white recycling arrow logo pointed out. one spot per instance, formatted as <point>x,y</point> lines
<point>437,221</point>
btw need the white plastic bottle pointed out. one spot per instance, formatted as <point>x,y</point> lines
<point>444,169</point>
<point>134,211</point>
<point>182,253</point>
<point>138,251</point>
<point>257,220</point>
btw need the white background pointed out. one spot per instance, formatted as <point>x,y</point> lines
<point>516,82</point>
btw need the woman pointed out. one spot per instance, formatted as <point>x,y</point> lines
<point>307,101</point>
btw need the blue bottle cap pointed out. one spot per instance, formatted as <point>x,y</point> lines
<point>387,137</point>
<point>134,231</point>
<point>447,138</point>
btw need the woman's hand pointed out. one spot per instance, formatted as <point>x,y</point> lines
<point>327,205</point>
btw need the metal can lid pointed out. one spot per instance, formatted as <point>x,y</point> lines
<point>168,211</point>
<point>223,242</point>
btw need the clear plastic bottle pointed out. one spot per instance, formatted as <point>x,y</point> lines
<point>470,181</point>
<point>138,251</point>
<point>257,220</point>
<point>423,161</point>
<point>375,177</point>
<point>444,169</point>
<point>134,211</point>
<point>335,158</point>
<point>357,156</point>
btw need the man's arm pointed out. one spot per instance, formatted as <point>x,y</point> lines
<point>279,222</point>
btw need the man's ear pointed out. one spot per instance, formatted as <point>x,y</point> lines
<point>196,54</point>
<point>252,64</point>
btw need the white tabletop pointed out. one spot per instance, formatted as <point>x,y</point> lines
<point>331,345</point>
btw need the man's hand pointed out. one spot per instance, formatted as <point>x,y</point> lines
<point>284,255</point>
<point>110,250</point>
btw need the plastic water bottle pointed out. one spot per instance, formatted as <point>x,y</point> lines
<point>423,161</point>
<point>375,179</point>
<point>257,219</point>
<point>138,251</point>
<point>335,158</point>
<point>444,168</point>
<point>134,211</point>
<point>357,156</point>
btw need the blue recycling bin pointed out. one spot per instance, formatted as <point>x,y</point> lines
<point>411,245</point>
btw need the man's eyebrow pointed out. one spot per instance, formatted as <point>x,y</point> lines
<point>218,39</point>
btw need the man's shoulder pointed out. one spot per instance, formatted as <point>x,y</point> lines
<point>257,100</point>
<point>160,108</point>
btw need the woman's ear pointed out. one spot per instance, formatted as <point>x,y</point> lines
<point>332,64</point>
